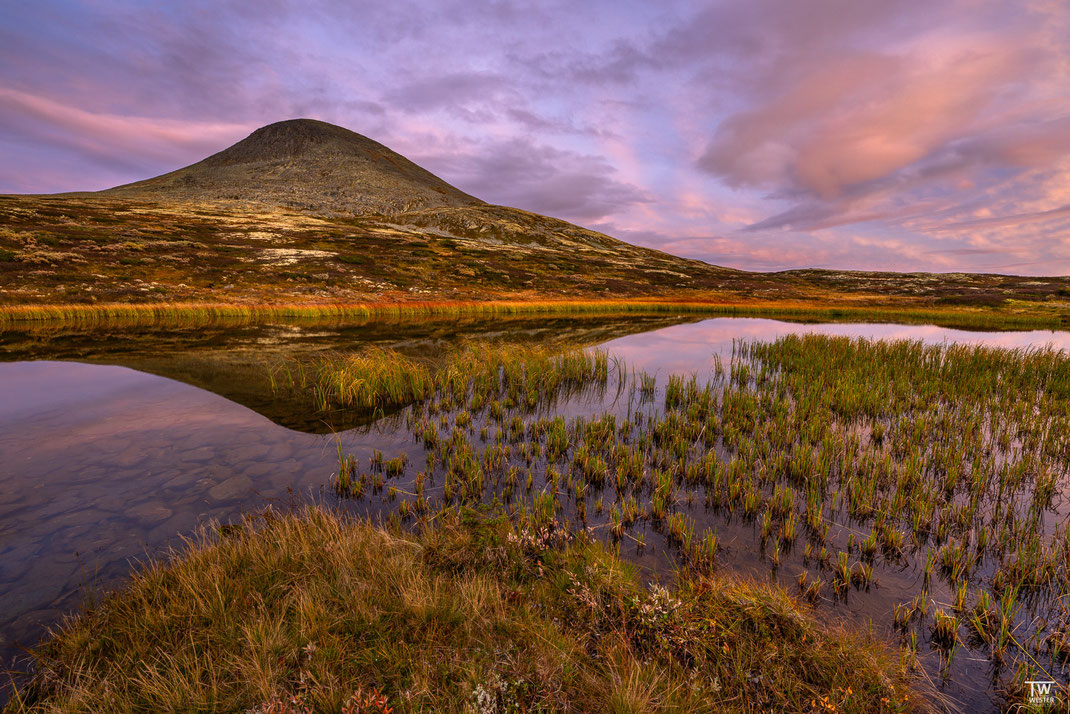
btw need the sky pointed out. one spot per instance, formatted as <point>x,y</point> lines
<point>910,135</point>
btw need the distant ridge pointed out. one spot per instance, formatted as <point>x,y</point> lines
<point>309,165</point>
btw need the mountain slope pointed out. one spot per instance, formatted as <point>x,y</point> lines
<point>308,165</point>
<point>328,171</point>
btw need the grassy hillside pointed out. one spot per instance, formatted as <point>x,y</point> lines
<point>95,250</point>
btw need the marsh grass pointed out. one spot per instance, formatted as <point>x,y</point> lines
<point>1021,316</point>
<point>863,455</point>
<point>478,612</point>
<point>477,373</point>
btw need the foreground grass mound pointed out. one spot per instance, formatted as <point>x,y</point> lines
<point>316,613</point>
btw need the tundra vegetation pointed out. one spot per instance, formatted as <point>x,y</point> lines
<point>101,259</point>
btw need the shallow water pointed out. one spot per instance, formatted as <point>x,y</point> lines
<point>103,463</point>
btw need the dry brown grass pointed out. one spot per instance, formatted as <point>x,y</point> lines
<point>310,611</point>
<point>1023,316</point>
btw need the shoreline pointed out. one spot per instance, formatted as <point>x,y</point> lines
<point>187,313</point>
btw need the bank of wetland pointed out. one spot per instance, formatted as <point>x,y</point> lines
<point>555,528</point>
<point>1009,313</point>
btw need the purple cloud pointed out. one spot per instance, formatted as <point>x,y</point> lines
<point>541,178</point>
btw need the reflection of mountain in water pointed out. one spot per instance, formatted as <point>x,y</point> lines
<point>235,362</point>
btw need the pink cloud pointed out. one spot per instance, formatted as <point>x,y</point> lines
<point>849,119</point>
<point>140,140</point>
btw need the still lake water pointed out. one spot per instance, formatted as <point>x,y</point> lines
<point>113,446</point>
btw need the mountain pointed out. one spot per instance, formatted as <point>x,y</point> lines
<point>325,170</point>
<point>305,211</point>
<point>309,165</point>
